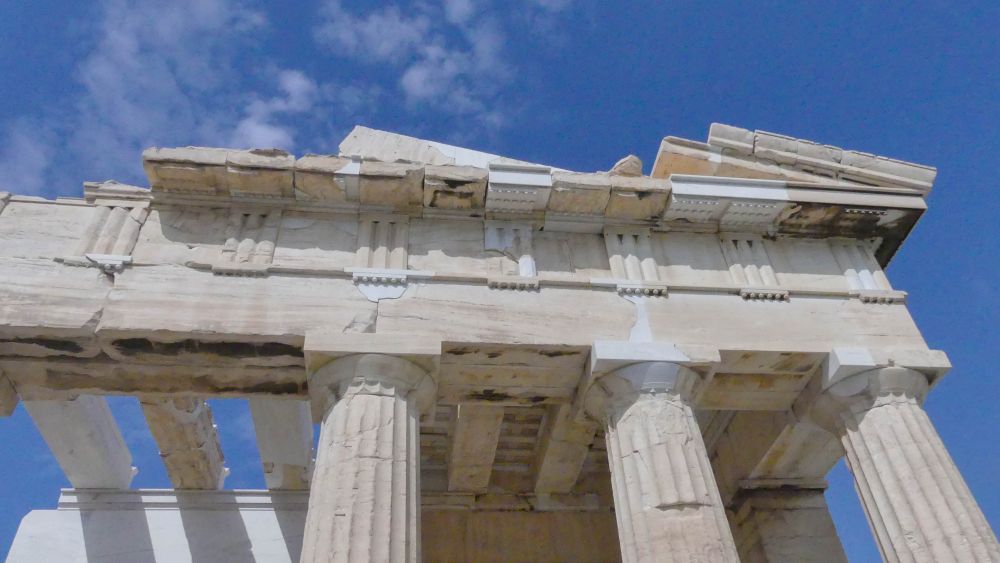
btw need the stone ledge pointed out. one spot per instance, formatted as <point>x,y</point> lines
<point>484,185</point>
<point>821,160</point>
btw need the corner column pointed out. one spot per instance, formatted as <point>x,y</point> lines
<point>917,503</point>
<point>364,502</point>
<point>667,503</point>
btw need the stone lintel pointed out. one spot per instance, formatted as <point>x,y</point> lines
<point>64,378</point>
<point>473,446</point>
<point>138,499</point>
<point>132,499</point>
<point>85,440</point>
<point>285,441</point>
<point>188,441</point>
<point>562,450</point>
<point>764,449</point>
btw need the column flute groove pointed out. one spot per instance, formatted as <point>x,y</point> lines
<point>917,503</point>
<point>667,503</point>
<point>958,496</point>
<point>364,498</point>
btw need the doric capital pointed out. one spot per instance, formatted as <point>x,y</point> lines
<point>882,382</point>
<point>865,390</point>
<point>371,374</point>
<point>623,371</point>
<point>622,387</point>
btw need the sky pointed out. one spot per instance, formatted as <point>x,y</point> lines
<point>85,86</point>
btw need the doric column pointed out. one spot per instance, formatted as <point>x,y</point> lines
<point>917,503</point>
<point>364,502</point>
<point>666,501</point>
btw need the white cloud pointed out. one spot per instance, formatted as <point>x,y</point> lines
<point>381,36</point>
<point>180,73</point>
<point>25,155</point>
<point>258,129</point>
<point>458,11</point>
<point>166,74</point>
<point>447,58</point>
<point>150,73</point>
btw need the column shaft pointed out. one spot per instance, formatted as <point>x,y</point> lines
<point>364,500</point>
<point>666,500</point>
<point>916,501</point>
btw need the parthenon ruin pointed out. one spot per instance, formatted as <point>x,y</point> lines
<point>506,361</point>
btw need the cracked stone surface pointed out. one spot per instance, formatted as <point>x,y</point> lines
<point>365,496</point>
<point>916,501</point>
<point>667,502</point>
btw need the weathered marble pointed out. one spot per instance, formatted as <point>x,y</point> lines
<point>85,440</point>
<point>916,501</point>
<point>785,526</point>
<point>365,499</point>
<point>189,444</point>
<point>667,503</point>
<point>521,352</point>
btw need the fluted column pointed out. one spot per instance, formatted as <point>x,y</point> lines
<point>364,502</point>
<point>666,500</point>
<point>917,503</point>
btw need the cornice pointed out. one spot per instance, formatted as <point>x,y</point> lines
<point>741,152</point>
<point>549,199</point>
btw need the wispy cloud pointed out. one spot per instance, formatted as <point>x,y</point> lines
<point>459,11</point>
<point>198,72</point>
<point>157,74</point>
<point>150,73</point>
<point>25,154</point>
<point>383,36</point>
<point>447,58</point>
<point>259,128</point>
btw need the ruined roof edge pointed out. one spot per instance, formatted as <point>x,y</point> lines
<point>758,154</point>
<point>386,146</point>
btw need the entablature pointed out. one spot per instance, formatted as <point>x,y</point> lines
<point>551,199</point>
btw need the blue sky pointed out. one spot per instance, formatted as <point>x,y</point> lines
<point>84,86</point>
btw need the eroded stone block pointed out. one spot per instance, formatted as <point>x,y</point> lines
<point>325,178</point>
<point>391,184</point>
<point>260,173</point>
<point>454,187</point>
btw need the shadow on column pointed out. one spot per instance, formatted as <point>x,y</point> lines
<point>115,535</point>
<point>215,533</point>
<point>292,524</point>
